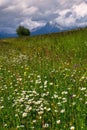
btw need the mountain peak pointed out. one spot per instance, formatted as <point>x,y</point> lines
<point>49,27</point>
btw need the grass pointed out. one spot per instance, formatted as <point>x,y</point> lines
<point>43,82</point>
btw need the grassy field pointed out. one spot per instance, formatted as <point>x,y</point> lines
<point>43,82</point>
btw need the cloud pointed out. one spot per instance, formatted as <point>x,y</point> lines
<point>81,10</point>
<point>35,13</point>
<point>74,16</point>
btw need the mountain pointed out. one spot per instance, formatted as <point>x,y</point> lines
<point>53,28</point>
<point>7,35</point>
<point>48,28</point>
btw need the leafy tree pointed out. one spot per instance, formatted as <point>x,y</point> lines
<point>22,31</point>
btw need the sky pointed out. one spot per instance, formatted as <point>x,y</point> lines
<point>36,13</point>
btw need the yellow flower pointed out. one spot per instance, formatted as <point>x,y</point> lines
<point>26,68</point>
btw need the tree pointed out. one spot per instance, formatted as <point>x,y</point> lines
<point>22,31</point>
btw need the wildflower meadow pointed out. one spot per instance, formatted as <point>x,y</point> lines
<point>43,82</point>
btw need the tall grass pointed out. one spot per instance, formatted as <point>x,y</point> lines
<point>43,82</point>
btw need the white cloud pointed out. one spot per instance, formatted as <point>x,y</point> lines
<point>63,12</point>
<point>31,10</point>
<point>31,24</point>
<point>81,10</point>
<point>35,13</point>
<point>65,21</point>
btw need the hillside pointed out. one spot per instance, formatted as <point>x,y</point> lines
<point>64,46</point>
<point>43,82</point>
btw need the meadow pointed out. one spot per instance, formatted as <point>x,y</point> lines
<point>43,82</point>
